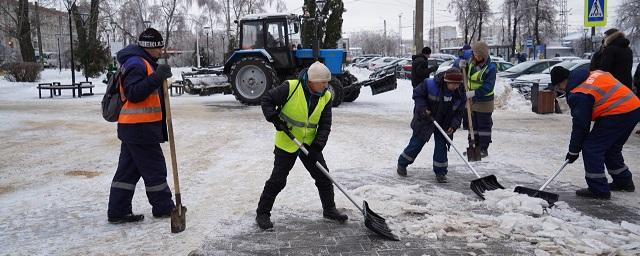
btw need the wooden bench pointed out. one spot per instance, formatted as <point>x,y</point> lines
<point>55,88</point>
<point>178,87</point>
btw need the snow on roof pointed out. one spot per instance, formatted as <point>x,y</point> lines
<point>259,16</point>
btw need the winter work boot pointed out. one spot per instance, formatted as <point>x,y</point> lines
<point>333,214</point>
<point>441,178</point>
<point>127,218</point>
<point>484,152</point>
<point>264,221</point>
<point>625,188</point>
<point>585,192</point>
<point>402,171</point>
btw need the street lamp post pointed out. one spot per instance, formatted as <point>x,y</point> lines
<point>70,4</point>
<point>206,30</point>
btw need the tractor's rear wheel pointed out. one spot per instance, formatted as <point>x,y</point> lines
<point>352,95</point>
<point>337,93</point>
<point>352,92</point>
<point>251,78</point>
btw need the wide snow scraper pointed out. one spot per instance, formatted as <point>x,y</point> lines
<point>551,198</point>
<point>372,220</point>
<point>481,184</point>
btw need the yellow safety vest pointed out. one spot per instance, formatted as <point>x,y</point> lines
<point>296,114</point>
<point>476,79</point>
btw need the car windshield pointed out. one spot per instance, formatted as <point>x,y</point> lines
<point>564,64</point>
<point>521,67</point>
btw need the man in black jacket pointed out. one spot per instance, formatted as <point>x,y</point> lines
<point>420,67</point>
<point>616,57</point>
<point>303,107</point>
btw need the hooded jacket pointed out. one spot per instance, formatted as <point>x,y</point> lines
<point>448,113</point>
<point>617,58</point>
<point>277,97</point>
<point>137,87</point>
<point>420,69</point>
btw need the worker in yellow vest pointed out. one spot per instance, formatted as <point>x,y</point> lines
<point>302,106</point>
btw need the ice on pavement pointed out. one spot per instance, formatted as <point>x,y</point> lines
<point>440,213</point>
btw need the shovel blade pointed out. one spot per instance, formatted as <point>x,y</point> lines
<point>473,154</point>
<point>551,198</point>
<point>178,219</point>
<point>377,224</point>
<point>479,186</point>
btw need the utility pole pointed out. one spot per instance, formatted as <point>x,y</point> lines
<point>419,31</point>
<point>385,38</point>
<point>431,27</point>
<point>39,35</point>
<point>58,37</point>
<point>400,33</point>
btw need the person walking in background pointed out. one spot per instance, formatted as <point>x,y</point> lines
<point>141,128</point>
<point>599,97</point>
<point>420,69</point>
<point>615,57</point>
<point>441,99</point>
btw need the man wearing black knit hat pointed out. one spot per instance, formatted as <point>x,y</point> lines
<point>599,97</point>
<point>141,128</point>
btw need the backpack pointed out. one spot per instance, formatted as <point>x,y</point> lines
<point>111,101</point>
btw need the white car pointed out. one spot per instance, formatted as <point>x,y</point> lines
<point>524,83</point>
<point>563,58</point>
<point>442,56</point>
<point>381,62</point>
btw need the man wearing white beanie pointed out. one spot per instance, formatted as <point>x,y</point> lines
<point>302,106</point>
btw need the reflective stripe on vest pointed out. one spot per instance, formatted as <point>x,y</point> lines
<point>147,111</point>
<point>611,96</point>
<point>295,112</point>
<point>476,79</point>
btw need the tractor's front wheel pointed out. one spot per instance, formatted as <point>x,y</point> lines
<point>251,78</point>
<point>337,92</point>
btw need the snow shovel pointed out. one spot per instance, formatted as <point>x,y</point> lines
<point>178,217</point>
<point>480,185</point>
<point>551,198</point>
<point>372,220</point>
<point>473,152</point>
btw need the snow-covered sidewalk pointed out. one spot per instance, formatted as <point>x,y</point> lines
<point>60,155</point>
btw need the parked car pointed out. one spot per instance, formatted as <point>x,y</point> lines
<point>365,63</point>
<point>381,62</point>
<point>527,67</point>
<point>405,73</point>
<point>442,56</point>
<point>564,58</point>
<point>496,58</point>
<point>524,83</point>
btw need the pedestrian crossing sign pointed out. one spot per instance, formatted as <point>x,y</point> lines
<point>595,13</point>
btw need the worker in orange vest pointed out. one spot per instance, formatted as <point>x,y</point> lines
<point>597,96</point>
<point>141,128</point>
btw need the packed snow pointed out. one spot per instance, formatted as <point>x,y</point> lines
<point>60,155</point>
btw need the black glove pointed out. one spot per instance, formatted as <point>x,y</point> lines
<point>163,71</point>
<point>278,123</point>
<point>572,157</point>
<point>315,151</point>
<point>427,115</point>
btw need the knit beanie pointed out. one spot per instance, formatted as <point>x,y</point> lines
<point>318,72</point>
<point>453,75</point>
<point>481,49</point>
<point>558,74</point>
<point>150,38</point>
<point>426,50</point>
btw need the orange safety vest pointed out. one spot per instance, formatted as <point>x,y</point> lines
<point>611,96</point>
<point>147,111</point>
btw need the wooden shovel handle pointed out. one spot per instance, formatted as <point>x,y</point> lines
<point>172,144</point>
<point>469,118</point>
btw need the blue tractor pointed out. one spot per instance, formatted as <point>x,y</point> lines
<point>269,53</point>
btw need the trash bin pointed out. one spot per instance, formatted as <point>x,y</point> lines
<point>542,102</point>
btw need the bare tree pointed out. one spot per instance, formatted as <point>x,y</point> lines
<point>470,15</point>
<point>629,18</point>
<point>24,32</point>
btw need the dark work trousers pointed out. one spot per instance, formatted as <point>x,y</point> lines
<point>282,164</point>
<point>146,161</point>
<point>603,147</point>
<point>440,161</point>
<point>482,124</point>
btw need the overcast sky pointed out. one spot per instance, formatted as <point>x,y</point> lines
<point>370,14</point>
